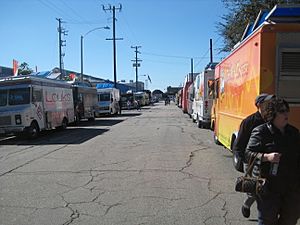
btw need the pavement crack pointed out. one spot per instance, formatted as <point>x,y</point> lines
<point>32,160</point>
<point>191,156</point>
<point>110,207</point>
<point>75,215</point>
<point>206,203</point>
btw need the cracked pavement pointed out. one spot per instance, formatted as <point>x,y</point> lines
<point>148,167</point>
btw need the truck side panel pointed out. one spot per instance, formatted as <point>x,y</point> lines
<point>281,76</point>
<point>58,104</point>
<point>267,62</point>
<point>239,83</point>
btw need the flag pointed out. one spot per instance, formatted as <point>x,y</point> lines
<point>149,79</point>
<point>15,67</point>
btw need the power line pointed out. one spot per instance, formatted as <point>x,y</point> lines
<point>53,7</point>
<point>72,10</point>
<point>167,56</point>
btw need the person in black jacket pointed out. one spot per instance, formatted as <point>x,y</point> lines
<point>275,146</point>
<point>240,144</point>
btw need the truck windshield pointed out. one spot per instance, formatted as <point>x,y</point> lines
<point>3,97</point>
<point>139,97</point>
<point>105,97</point>
<point>19,96</point>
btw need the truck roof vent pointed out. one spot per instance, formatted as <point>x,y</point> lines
<point>290,63</point>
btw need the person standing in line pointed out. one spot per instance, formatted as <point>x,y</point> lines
<point>275,146</point>
<point>240,144</point>
<point>138,104</point>
<point>128,104</point>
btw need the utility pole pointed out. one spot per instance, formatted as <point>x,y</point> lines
<point>136,65</point>
<point>113,10</point>
<point>61,43</point>
<point>192,69</point>
<point>211,52</point>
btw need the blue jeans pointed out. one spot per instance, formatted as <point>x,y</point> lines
<point>279,209</point>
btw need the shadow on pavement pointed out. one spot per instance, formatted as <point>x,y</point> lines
<point>54,137</point>
<point>98,122</point>
<point>74,134</point>
<point>131,114</point>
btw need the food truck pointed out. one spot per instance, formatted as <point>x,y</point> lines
<point>265,61</point>
<point>30,104</point>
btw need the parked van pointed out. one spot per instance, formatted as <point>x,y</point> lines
<point>108,101</point>
<point>190,99</point>
<point>127,100</point>
<point>189,79</point>
<point>85,101</point>
<point>203,97</point>
<point>142,97</point>
<point>31,104</point>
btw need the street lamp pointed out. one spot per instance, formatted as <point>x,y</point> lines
<point>81,47</point>
<point>146,80</point>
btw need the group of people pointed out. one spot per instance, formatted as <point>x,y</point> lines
<point>267,138</point>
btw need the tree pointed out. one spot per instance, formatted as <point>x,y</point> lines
<point>24,69</point>
<point>240,13</point>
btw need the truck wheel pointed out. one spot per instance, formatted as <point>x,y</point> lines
<point>216,140</point>
<point>34,130</point>
<point>199,123</point>
<point>64,124</point>
<point>193,119</point>
<point>237,162</point>
<point>91,118</point>
<point>77,119</point>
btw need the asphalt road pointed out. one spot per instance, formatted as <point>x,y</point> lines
<point>152,166</point>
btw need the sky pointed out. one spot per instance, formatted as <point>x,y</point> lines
<point>170,33</point>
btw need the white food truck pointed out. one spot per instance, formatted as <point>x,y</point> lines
<point>202,104</point>
<point>31,104</point>
<point>108,101</point>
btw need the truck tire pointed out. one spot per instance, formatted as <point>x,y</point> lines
<point>33,130</point>
<point>91,118</point>
<point>193,119</point>
<point>64,124</point>
<point>199,123</point>
<point>216,140</point>
<point>77,119</point>
<point>237,162</point>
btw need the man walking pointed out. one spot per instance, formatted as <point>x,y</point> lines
<point>240,144</point>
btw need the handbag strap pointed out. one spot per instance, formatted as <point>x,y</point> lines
<point>251,164</point>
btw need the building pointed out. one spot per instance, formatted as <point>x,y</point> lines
<point>173,90</point>
<point>140,85</point>
<point>5,71</point>
<point>71,75</point>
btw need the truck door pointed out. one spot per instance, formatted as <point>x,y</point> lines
<point>38,109</point>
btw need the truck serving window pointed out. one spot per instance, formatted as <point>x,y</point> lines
<point>3,97</point>
<point>19,96</point>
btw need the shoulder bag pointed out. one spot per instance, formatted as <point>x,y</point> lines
<point>249,184</point>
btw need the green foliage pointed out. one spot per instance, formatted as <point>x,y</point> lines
<point>24,69</point>
<point>240,13</point>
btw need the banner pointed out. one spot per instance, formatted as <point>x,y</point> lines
<point>15,67</point>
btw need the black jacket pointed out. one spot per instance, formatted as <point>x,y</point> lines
<point>246,127</point>
<point>266,138</point>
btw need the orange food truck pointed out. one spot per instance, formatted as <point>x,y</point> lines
<point>267,60</point>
